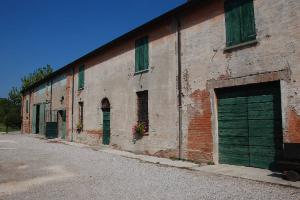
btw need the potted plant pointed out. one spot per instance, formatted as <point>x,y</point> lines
<point>79,127</point>
<point>138,131</point>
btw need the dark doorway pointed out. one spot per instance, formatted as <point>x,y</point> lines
<point>37,122</point>
<point>105,106</point>
<point>61,123</point>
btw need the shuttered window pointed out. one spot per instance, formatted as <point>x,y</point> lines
<point>142,100</point>
<point>141,54</point>
<point>81,78</point>
<point>240,21</point>
<point>27,106</point>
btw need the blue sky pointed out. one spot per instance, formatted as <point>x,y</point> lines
<point>34,33</point>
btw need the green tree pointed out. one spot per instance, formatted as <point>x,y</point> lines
<point>15,96</point>
<point>9,114</point>
<point>36,76</point>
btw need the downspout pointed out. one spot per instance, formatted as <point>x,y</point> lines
<point>29,114</point>
<point>72,104</point>
<point>179,87</point>
<point>51,100</point>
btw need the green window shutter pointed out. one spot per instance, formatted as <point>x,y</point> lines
<point>27,106</point>
<point>137,56</point>
<point>233,22</point>
<point>248,20</point>
<point>81,77</point>
<point>141,54</point>
<point>240,21</point>
<point>145,54</point>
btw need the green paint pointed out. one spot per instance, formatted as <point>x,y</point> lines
<point>250,132</point>
<point>141,54</point>
<point>51,130</point>
<point>27,106</point>
<point>33,119</point>
<point>106,128</point>
<point>42,124</point>
<point>240,21</point>
<point>81,77</point>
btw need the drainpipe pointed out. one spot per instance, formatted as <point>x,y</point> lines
<point>30,120</point>
<point>51,100</point>
<point>72,103</point>
<point>179,87</point>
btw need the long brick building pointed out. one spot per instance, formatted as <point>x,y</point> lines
<point>215,81</point>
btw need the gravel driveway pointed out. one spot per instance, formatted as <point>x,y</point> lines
<point>34,169</point>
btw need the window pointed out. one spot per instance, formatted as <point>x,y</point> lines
<point>81,78</point>
<point>240,22</point>
<point>142,100</point>
<point>141,54</point>
<point>27,106</point>
<point>80,114</point>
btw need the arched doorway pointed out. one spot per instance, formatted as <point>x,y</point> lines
<point>105,106</point>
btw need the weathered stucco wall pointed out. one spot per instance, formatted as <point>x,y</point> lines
<point>205,63</point>
<point>112,75</point>
<point>205,66</point>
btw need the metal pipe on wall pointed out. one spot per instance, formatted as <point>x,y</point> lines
<point>179,86</point>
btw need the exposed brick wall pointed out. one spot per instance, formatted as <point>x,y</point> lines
<point>293,134</point>
<point>200,142</point>
<point>26,121</point>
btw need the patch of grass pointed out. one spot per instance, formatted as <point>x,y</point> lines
<point>210,163</point>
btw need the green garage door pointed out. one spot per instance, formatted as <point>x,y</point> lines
<point>250,130</point>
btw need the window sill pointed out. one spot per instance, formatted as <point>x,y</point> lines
<point>141,72</point>
<point>241,45</point>
<point>80,89</point>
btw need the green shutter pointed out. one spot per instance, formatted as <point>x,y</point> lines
<point>248,21</point>
<point>240,21</point>
<point>27,106</point>
<point>145,54</point>
<point>42,124</point>
<point>33,119</point>
<point>233,22</point>
<point>141,54</point>
<point>137,56</point>
<point>81,77</point>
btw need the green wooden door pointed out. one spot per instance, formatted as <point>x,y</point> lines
<point>33,119</point>
<point>42,124</point>
<point>106,128</point>
<point>250,132</point>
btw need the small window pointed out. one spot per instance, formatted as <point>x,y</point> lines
<point>142,100</point>
<point>80,114</point>
<point>81,78</point>
<point>27,106</point>
<point>141,54</point>
<point>240,21</point>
